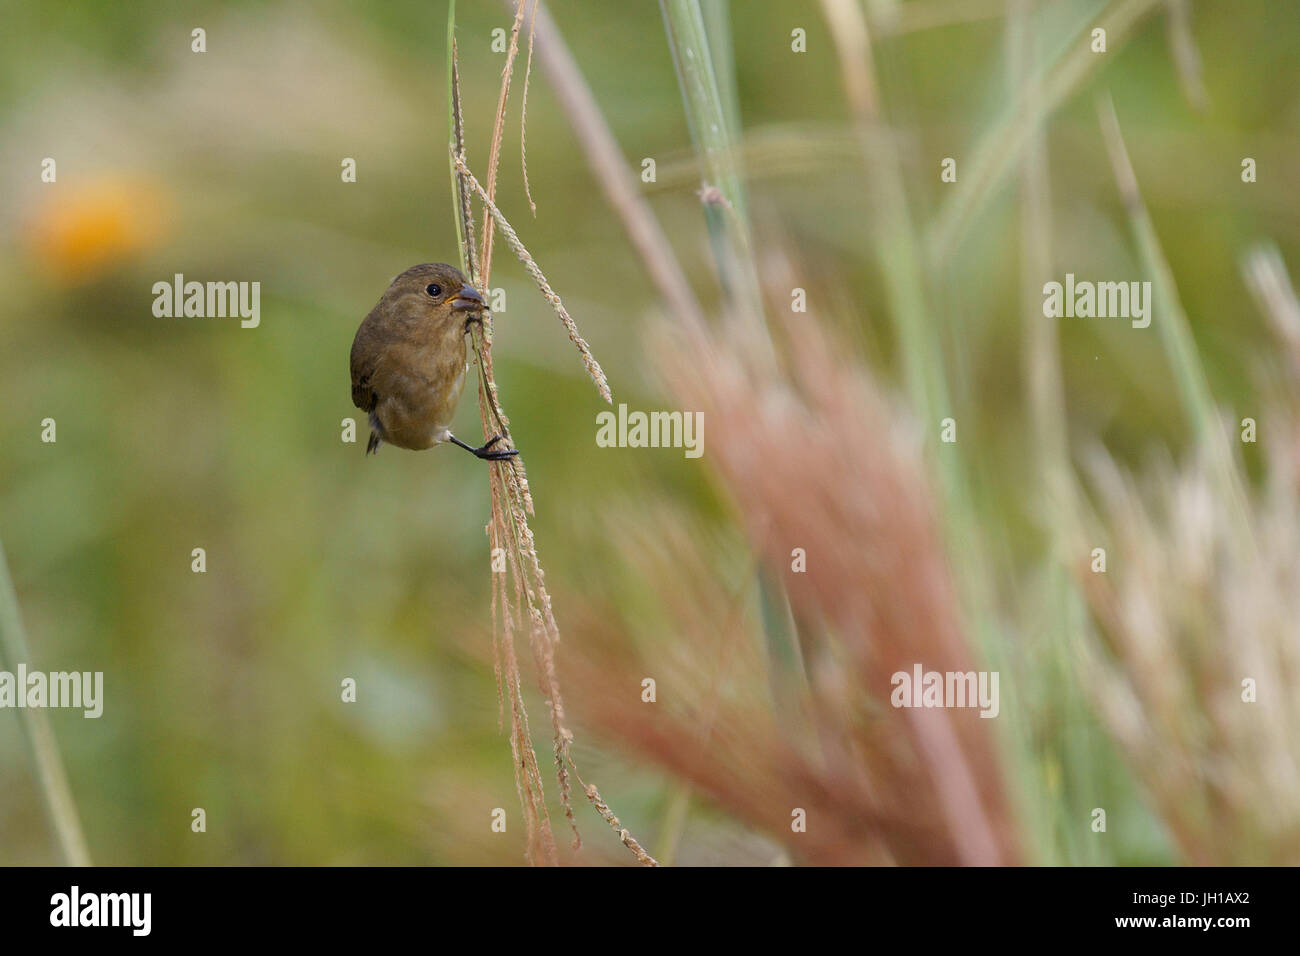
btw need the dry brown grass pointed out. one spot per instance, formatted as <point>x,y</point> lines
<point>1192,605</point>
<point>520,599</point>
<point>812,458</point>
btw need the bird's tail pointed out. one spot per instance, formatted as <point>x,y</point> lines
<point>372,446</point>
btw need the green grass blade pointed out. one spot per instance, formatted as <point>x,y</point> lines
<point>1002,146</point>
<point>55,791</point>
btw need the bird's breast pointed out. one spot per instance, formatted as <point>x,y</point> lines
<point>450,397</point>
<point>418,412</point>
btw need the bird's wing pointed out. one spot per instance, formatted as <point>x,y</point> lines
<point>380,372</point>
<point>366,362</point>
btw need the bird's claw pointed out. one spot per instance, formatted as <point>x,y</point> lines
<point>486,455</point>
<point>484,451</point>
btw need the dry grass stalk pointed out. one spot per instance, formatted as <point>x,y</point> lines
<point>498,128</point>
<point>606,814</point>
<point>508,495</point>
<point>508,528</point>
<point>530,265</point>
<point>523,112</point>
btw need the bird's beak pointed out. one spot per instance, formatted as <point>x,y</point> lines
<point>467,299</point>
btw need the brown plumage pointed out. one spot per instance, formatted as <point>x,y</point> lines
<point>409,360</point>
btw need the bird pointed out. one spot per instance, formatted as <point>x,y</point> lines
<point>409,360</point>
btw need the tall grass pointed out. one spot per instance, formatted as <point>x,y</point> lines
<point>1091,684</point>
<point>1001,146</point>
<point>520,598</point>
<point>1175,330</point>
<point>711,111</point>
<point>50,775</point>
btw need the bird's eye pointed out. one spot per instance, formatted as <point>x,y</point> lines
<point>434,290</point>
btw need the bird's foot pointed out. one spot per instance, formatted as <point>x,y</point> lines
<point>484,451</point>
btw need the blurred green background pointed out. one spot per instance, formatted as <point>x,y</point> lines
<point>222,689</point>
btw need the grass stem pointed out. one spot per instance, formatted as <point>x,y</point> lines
<point>55,791</point>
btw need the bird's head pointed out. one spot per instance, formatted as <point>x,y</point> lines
<point>433,291</point>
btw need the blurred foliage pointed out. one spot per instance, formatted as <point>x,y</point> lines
<point>223,689</point>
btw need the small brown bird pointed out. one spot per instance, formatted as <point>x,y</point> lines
<point>408,360</point>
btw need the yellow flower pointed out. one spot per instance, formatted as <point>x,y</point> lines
<point>80,231</point>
